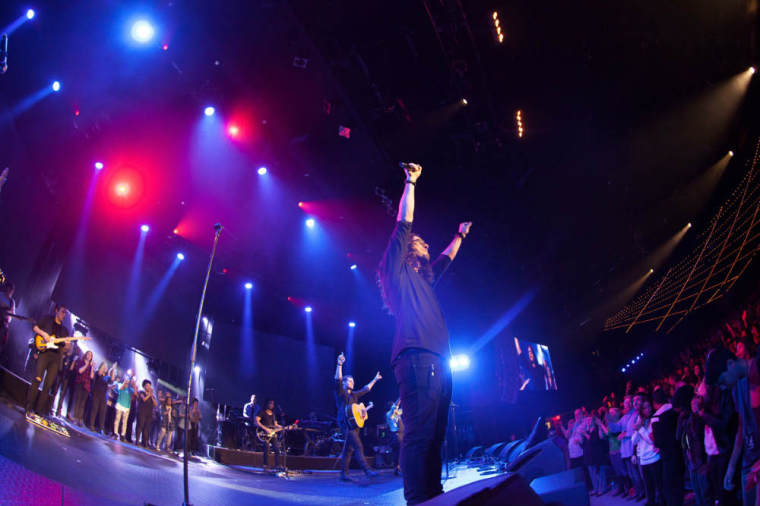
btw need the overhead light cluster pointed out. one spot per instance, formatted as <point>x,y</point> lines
<point>520,124</point>
<point>497,27</point>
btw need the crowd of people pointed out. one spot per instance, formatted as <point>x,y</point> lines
<point>696,428</point>
<point>110,401</point>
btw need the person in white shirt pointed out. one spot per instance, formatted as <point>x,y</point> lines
<point>647,454</point>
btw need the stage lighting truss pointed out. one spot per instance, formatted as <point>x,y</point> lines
<point>497,31</point>
<point>519,123</point>
<point>725,249</point>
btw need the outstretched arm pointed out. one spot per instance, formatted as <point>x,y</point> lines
<point>371,384</point>
<point>339,367</point>
<point>453,248</point>
<point>406,205</point>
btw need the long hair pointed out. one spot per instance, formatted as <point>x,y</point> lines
<point>421,265</point>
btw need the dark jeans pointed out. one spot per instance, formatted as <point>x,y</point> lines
<point>634,473</point>
<point>653,481</point>
<point>192,442</point>
<point>80,397</point>
<point>64,388</point>
<point>98,410</point>
<point>47,365</point>
<point>353,445</point>
<point>424,383</point>
<point>398,437</point>
<point>698,478</point>
<point>275,447</point>
<point>672,481</point>
<point>131,423</point>
<point>717,466</point>
<point>143,428</point>
<point>622,481</point>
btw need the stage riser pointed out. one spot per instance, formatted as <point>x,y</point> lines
<point>13,386</point>
<point>255,459</point>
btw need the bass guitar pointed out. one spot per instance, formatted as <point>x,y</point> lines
<point>42,345</point>
<point>356,414</point>
<point>275,433</point>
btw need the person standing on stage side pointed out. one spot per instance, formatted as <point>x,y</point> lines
<point>420,356</point>
<point>345,396</point>
<point>250,411</point>
<point>99,391</point>
<point>147,401</point>
<point>48,362</point>
<point>267,421</point>
<point>396,427</point>
<point>7,305</point>
<point>195,423</point>
<point>82,385</point>
<point>123,403</point>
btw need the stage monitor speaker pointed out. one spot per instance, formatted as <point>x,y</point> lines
<point>506,452</point>
<point>504,490</point>
<point>474,452</point>
<point>567,488</point>
<point>542,459</point>
<point>494,449</point>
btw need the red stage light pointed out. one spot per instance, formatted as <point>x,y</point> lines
<point>121,189</point>
<point>126,187</point>
<point>175,231</point>
<point>233,130</point>
<point>76,112</point>
<point>300,204</point>
<point>165,47</point>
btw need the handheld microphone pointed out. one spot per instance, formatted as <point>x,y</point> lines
<point>4,54</point>
<point>404,165</point>
<point>218,227</point>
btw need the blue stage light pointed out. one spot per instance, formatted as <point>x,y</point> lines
<point>622,370</point>
<point>197,369</point>
<point>145,228</point>
<point>142,31</point>
<point>56,86</point>
<point>307,309</point>
<point>354,267</point>
<point>262,171</point>
<point>30,13</point>
<point>99,165</point>
<point>352,324</point>
<point>180,256</point>
<point>459,362</point>
<point>310,223</point>
<point>209,111</point>
<point>248,285</point>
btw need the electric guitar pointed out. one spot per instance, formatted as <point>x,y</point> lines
<point>393,415</point>
<point>356,414</point>
<point>276,433</point>
<point>42,345</point>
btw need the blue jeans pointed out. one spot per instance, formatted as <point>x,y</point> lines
<point>634,473</point>
<point>424,383</point>
<point>698,478</point>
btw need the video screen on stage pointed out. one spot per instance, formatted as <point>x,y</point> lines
<point>535,366</point>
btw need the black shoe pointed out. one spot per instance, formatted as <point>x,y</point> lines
<point>370,473</point>
<point>344,477</point>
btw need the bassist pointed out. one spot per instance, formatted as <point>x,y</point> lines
<point>345,396</point>
<point>48,363</point>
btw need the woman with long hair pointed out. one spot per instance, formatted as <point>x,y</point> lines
<point>99,389</point>
<point>82,384</point>
<point>647,454</point>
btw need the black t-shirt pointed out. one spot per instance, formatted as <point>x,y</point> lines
<point>49,325</point>
<point>267,419</point>
<point>412,300</point>
<point>344,398</point>
<point>100,384</point>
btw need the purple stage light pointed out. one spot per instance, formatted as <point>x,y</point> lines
<point>262,171</point>
<point>145,228</point>
<point>197,369</point>
<point>56,86</point>
<point>248,285</point>
<point>209,111</point>
<point>310,222</point>
<point>307,309</point>
<point>354,267</point>
<point>99,165</point>
<point>180,256</point>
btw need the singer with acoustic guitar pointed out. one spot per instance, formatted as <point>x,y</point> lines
<point>351,416</point>
<point>49,361</point>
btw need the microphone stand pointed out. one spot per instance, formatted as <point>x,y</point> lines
<point>217,232</point>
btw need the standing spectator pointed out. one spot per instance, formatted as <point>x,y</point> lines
<point>647,454</point>
<point>743,377</point>
<point>99,391</point>
<point>574,435</point>
<point>7,306</point>
<point>82,381</point>
<point>628,449</point>
<point>691,430</point>
<point>613,429</point>
<point>168,424</point>
<point>664,435</point>
<point>65,380</point>
<point>195,419</point>
<point>123,403</point>
<point>147,401</point>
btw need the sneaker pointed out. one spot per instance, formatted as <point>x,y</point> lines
<point>370,473</point>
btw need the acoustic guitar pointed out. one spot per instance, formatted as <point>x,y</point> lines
<point>277,433</point>
<point>356,414</point>
<point>42,345</point>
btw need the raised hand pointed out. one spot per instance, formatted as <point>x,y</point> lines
<point>412,171</point>
<point>378,377</point>
<point>341,359</point>
<point>464,228</point>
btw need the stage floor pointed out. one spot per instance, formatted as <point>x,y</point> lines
<point>40,467</point>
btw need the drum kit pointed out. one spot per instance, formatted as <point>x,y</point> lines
<point>319,435</point>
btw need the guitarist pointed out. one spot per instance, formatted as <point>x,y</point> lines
<point>346,396</point>
<point>267,421</point>
<point>48,363</point>
<point>396,427</point>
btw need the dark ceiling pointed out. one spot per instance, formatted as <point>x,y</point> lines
<point>619,101</point>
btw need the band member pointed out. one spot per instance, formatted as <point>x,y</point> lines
<point>250,411</point>
<point>345,396</point>
<point>396,427</point>
<point>266,420</point>
<point>48,362</point>
<point>7,306</point>
<point>406,278</point>
<point>145,413</point>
